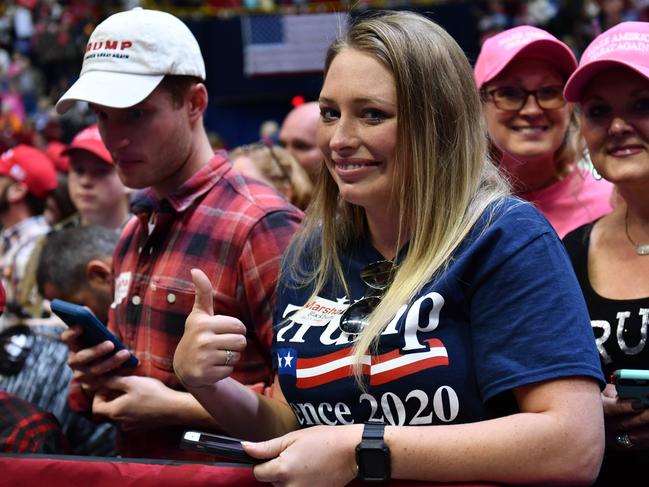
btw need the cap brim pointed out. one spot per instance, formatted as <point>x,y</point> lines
<point>90,146</point>
<point>580,78</point>
<point>547,49</point>
<point>109,89</point>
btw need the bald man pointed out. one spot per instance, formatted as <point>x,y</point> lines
<point>298,135</point>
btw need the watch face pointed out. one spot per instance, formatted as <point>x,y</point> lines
<point>373,463</point>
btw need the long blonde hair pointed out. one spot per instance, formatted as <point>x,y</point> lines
<point>443,182</point>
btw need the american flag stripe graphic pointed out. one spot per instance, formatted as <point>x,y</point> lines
<point>312,372</point>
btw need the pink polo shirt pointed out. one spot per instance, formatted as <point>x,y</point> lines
<point>573,201</point>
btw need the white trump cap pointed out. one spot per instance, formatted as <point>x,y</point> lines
<point>127,56</point>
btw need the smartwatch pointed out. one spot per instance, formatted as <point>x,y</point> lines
<point>373,455</point>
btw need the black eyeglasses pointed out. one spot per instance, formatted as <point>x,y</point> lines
<point>15,344</point>
<point>378,276</point>
<point>514,98</point>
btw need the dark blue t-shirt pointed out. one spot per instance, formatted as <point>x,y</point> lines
<point>506,312</point>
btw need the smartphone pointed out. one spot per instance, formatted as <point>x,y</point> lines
<point>94,331</point>
<point>632,384</point>
<point>220,445</point>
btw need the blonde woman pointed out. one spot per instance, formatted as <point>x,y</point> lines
<point>611,254</point>
<point>276,167</point>
<point>454,352</point>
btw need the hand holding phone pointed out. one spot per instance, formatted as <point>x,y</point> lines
<point>94,331</point>
<point>220,445</point>
<point>632,384</point>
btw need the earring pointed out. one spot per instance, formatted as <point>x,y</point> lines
<point>596,176</point>
<point>587,163</point>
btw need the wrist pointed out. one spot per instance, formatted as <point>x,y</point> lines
<point>373,454</point>
<point>195,399</point>
<point>174,410</point>
<point>185,409</point>
<point>355,434</point>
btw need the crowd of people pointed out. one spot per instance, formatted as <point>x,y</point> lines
<point>42,43</point>
<point>40,47</point>
<point>431,273</point>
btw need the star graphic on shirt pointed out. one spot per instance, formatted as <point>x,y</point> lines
<point>288,358</point>
<point>279,359</point>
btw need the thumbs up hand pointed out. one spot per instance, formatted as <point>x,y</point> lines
<point>211,344</point>
<point>204,298</point>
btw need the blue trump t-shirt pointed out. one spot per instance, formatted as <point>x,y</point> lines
<point>506,312</point>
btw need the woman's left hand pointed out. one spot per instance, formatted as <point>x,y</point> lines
<point>627,417</point>
<point>312,457</point>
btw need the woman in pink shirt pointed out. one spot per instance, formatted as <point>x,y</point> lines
<point>533,137</point>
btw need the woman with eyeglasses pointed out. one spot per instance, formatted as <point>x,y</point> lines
<point>611,254</point>
<point>420,326</point>
<point>534,135</point>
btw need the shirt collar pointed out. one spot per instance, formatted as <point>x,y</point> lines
<point>29,227</point>
<point>196,186</point>
<point>24,227</point>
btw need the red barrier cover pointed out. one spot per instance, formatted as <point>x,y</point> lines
<point>69,471</point>
<point>62,471</point>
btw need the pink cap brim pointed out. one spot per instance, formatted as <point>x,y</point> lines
<point>547,49</point>
<point>580,78</point>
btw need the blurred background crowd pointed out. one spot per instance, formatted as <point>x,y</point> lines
<point>42,42</point>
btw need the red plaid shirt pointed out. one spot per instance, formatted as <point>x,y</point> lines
<point>235,230</point>
<point>26,429</point>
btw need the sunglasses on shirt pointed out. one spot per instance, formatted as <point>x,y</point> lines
<point>377,276</point>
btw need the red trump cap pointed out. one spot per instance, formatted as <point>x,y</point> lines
<point>30,166</point>
<point>90,140</point>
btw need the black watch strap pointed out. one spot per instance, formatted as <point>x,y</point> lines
<point>373,455</point>
<point>373,431</point>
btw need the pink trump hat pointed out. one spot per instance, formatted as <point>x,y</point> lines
<point>626,44</point>
<point>498,51</point>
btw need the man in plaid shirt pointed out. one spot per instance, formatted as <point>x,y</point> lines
<point>143,76</point>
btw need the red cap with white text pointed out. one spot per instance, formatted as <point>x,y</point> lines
<point>30,166</point>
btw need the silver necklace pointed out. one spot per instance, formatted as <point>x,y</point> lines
<point>640,249</point>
